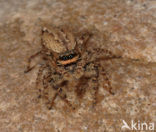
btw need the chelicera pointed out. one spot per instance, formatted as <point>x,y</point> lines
<point>67,73</point>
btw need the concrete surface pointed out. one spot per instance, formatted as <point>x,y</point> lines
<point>125,27</point>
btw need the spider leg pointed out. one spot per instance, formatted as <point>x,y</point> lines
<point>108,55</point>
<point>46,87</point>
<point>29,62</point>
<point>52,101</point>
<point>38,79</point>
<point>95,89</point>
<point>95,84</point>
<point>85,37</point>
<point>102,71</point>
<point>64,98</point>
<point>61,93</point>
<point>83,41</point>
<point>90,77</point>
<point>108,86</point>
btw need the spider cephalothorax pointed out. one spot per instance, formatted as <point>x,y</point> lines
<point>62,48</point>
<point>62,44</point>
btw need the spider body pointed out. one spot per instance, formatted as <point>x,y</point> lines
<point>67,73</point>
<point>61,43</point>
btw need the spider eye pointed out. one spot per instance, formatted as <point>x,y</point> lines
<point>70,56</point>
<point>67,57</point>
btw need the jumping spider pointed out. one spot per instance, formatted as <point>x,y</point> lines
<point>67,71</point>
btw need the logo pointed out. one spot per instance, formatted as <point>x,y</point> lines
<point>137,125</point>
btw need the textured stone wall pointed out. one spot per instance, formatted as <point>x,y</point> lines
<point>125,27</point>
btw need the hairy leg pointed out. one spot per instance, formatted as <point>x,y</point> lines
<point>51,104</point>
<point>64,98</point>
<point>29,62</point>
<point>108,86</point>
<point>90,80</point>
<point>107,55</point>
<point>46,93</point>
<point>39,77</point>
<point>82,41</point>
<point>62,94</point>
<point>95,84</point>
<point>51,92</point>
